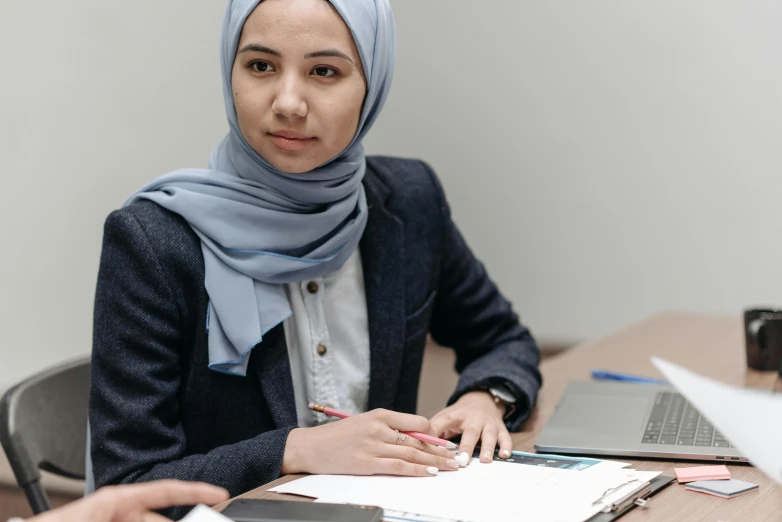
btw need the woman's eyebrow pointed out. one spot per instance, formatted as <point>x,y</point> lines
<point>329,53</point>
<point>258,48</point>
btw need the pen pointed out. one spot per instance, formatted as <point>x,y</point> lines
<point>423,437</point>
<point>601,375</point>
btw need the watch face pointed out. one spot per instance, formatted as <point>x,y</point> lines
<point>503,394</point>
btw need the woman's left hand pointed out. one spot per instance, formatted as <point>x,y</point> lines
<point>477,417</point>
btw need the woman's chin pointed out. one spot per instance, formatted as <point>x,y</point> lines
<point>295,168</point>
<point>290,164</point>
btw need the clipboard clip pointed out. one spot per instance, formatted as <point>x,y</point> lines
<point>635,496</point>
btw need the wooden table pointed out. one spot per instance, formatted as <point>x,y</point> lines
<point>710,345</point>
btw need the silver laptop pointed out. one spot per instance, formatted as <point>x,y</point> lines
<point>632,420</point>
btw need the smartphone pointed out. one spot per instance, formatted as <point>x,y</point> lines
<point>253,510</point>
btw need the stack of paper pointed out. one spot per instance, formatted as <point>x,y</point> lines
<point>481,492</point>
<point>722,488</point>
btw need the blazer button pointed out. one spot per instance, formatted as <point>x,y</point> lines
<point>312,287</point>
<point>322,349</point>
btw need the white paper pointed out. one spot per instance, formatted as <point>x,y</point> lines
<point>478,493</point>
<point>750,419</point>
<point>400,516</point>
<point>201,513</point>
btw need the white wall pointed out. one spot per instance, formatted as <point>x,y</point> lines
<point>95,99</point>
<point>607,160</point>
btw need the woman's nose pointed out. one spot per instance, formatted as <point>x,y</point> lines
<point>289,100</point>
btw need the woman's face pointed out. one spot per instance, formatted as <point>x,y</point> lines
<point>298,83</point>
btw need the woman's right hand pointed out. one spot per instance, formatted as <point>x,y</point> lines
<point>366,444</point>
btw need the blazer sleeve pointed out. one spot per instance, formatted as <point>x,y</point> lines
<point>136,432</point>
<point>471,316</point>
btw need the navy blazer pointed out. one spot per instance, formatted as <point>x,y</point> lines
<point>157,411</point>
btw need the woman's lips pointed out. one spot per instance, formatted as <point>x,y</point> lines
<point>291,141</point>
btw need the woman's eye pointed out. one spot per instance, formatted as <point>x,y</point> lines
<point>325,72</point>
<point>261,67</point>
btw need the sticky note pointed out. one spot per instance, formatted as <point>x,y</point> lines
<point>722,488</point>
<point>701,473</point>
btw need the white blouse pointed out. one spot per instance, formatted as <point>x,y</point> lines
<point>328,342</point>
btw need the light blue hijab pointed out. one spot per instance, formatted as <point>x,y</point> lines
<point>260,227</point>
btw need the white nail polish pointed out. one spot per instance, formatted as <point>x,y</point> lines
<point>506,453</point>
<point>432,470</point>
<point>463,458</point>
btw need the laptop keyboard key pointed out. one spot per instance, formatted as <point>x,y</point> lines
<point>658,413</point>
<point>674,421</point>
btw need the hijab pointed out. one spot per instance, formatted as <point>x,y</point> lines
<point>261,228</point>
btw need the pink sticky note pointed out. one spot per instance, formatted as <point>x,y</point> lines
<point>701,473</point>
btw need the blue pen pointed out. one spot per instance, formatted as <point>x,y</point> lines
<point>602,375</point>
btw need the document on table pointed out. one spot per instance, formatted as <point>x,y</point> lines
<point>478,493</point>
<point>750,419</point>
<point>202,513</point>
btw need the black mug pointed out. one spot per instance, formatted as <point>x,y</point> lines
<point>763,336</point>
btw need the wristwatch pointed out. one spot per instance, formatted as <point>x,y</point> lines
<point>503,395</point>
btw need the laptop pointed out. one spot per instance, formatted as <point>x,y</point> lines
<point>632,420</point>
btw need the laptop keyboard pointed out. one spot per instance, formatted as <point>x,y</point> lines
<point>674,421</point>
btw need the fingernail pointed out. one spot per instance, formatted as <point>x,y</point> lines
<point>487,455</point>
<point>506,453</point>
<point>452,463</point>
<point>463,458</point>
<point>432,470</point>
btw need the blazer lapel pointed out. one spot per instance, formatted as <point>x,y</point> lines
<point>382,256</point>
<point>270,364</point>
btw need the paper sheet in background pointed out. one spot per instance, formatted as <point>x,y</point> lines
<point>478,493</point>
<point>201,513</point>
<point>750,419</point>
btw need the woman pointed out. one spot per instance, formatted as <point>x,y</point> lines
<point>296,270</point>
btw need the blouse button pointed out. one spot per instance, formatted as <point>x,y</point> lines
<point>322,349</point>
<point>312,287</point>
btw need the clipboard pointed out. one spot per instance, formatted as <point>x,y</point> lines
<point>643,492</point>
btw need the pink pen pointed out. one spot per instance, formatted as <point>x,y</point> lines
<point>423,437</point>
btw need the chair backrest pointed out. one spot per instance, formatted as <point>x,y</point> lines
<point>43,425</point>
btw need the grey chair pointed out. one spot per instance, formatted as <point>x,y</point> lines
<point>43,425</point>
